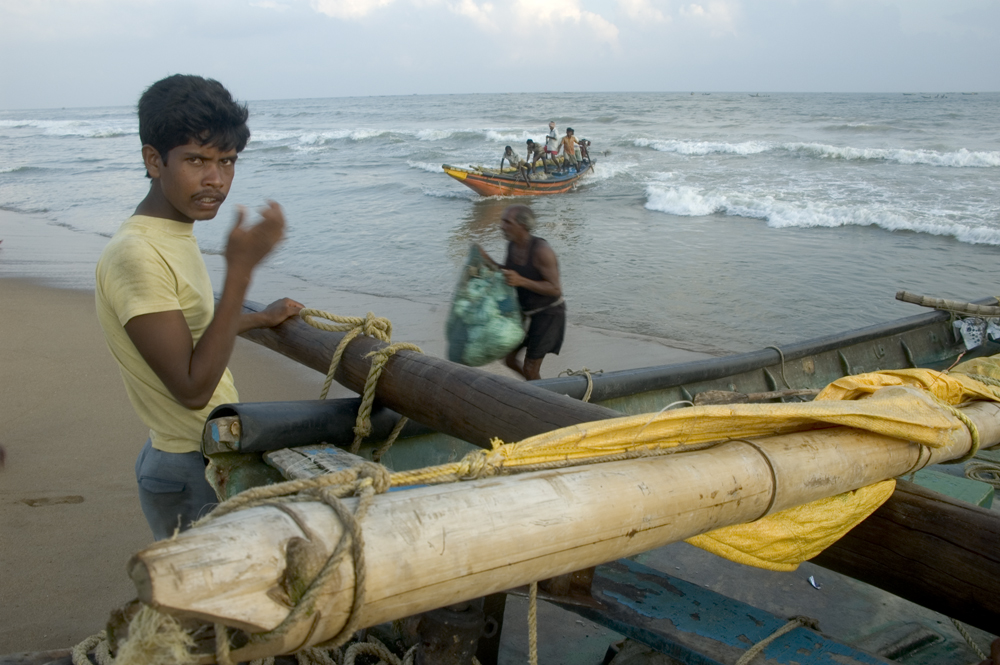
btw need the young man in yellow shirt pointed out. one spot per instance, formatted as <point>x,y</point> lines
<point>154,297</point>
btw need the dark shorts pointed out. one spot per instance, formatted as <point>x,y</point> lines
<point>545,333</point>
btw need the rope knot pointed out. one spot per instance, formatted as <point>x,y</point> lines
<point>374,475</point>
<point>376,326</point>
<point>479,464</point>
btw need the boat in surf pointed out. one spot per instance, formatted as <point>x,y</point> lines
<point>509,182</point>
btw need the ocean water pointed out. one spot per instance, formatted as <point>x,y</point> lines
<point>723,221</point>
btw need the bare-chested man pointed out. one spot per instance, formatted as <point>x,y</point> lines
<point>536,152</point>
<point>516,162</point>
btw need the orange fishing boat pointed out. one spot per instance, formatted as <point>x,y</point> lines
<point>491,182</point>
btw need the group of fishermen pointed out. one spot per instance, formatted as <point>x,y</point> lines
<point>574,151</point>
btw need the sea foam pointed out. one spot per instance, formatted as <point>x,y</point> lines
<point>958,158</point>
<point>74,128</point>
<point>686,201</point>
<point>424,166</point>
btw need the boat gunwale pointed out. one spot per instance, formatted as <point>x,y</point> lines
<point>622,383</point>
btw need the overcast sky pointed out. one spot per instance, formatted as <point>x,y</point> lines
<point>57,53</point>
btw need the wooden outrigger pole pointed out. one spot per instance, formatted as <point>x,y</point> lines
<point>949,547</point>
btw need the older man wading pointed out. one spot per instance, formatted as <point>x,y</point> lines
<point>532,267</point>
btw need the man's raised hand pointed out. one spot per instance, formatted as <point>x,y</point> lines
<point>248,245</point>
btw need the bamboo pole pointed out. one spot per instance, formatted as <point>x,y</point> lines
<point>435,546</point>
<point>958,306</point>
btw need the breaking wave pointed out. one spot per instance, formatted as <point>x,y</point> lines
<point>701,148</point>
<point>688,202</point>
<point>76,128</point>
<point>604,170</point>
<point>425,166</point>
<point>21,169</point>
<point>23,210</point>
<point>467,194</point>
<point>958,158</point>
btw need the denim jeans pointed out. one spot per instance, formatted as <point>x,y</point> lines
<point>173,491</point>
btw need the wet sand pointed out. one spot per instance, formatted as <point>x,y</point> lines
<point>69,511</point>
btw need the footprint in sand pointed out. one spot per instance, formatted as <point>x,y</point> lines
<point>52,500</point>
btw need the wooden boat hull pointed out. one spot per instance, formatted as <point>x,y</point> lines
<point>486,184</point>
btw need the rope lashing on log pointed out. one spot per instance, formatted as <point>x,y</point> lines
<point>151,639</point>
<point>372,326</point>
<point>586,371</point>
<point>364,481</point>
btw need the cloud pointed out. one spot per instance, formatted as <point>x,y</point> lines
<point>552,12</point>
<point>719,16</point>
<point>269,4</point>
<point>518,16</point>
<point>481,15</point>
<point>642,10</point>
<point>348,9</point>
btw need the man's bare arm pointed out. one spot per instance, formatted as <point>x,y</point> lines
<point>192,372</point>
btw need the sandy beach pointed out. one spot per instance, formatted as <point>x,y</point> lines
<point>69,512</point>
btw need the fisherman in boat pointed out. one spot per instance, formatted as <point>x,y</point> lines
<point>531,266</point>
<point>154,296</point>
<point>536,153</point>
<point>568,148</point>
<point>515,162</point>
<point>584,146</point>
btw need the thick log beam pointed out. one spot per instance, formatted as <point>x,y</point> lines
<point>457,400</point>
<point>930,549</point>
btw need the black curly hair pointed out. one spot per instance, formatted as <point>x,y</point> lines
<point>184,108</point>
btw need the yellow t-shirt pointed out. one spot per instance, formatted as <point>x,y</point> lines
<point>154,265</point>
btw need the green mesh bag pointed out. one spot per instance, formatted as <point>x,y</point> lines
<point>485,320</point>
